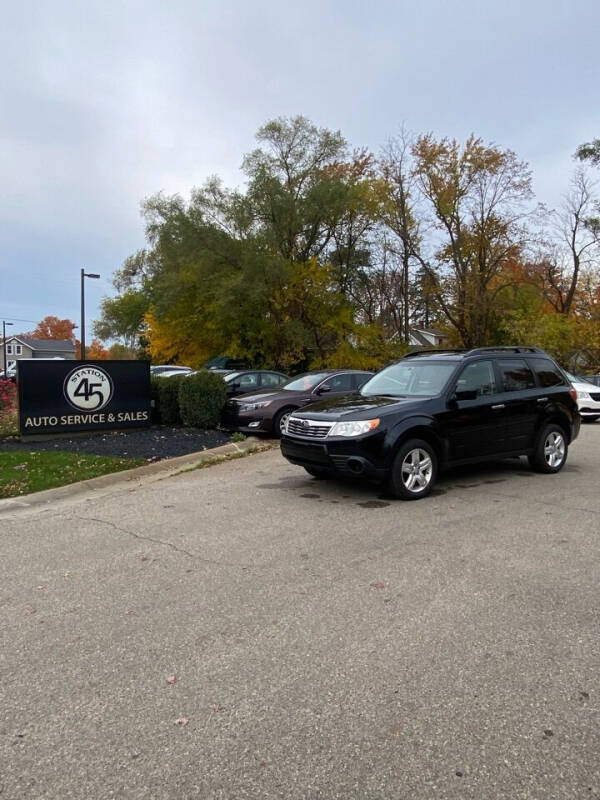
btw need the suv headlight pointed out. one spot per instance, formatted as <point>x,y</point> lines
<point>254,406</point>
<point>583,396</point>
<point>354,428</point>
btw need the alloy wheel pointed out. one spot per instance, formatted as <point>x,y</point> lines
<point>417,470</point>
<point>554,449</point>
<point>283,421</point>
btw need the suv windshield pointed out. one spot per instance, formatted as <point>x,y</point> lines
<point>409,379</point>
<point>304,383</point>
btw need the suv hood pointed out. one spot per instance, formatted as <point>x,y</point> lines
<point>357,406</point>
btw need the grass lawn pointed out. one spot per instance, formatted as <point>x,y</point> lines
<point>23,472</point>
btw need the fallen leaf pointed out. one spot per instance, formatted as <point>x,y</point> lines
<point>181,721</point>
<point>171,679</point>
<point>378,585</point>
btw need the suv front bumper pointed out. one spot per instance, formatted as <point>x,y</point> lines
<point>342,457</point>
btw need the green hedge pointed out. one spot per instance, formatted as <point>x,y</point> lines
<point>165,394</point>
<point>201,399</point>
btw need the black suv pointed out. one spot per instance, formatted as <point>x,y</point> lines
<point>436,409</point>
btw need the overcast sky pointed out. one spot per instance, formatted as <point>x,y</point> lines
<point>105,103</point>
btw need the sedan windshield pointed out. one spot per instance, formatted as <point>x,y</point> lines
<point>304,383</point>
<point>230,377</point>
<point>409,379</point>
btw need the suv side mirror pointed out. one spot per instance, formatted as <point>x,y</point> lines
<point>323,389</point>
<point>466,394</point>
<point>235,385</point>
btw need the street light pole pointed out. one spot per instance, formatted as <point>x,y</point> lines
<point>4,324</point>
<point>84,275</point>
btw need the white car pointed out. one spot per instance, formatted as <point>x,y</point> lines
<point>588,398</point>
<point>168,370</point>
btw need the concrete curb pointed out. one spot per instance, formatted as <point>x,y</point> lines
<point>148,473</point>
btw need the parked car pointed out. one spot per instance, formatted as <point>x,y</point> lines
<point>595,379</point>
<point>252,381</point>
<point>267,411</point>
<point>168,370</point>
<point>436,409</point>
<point>225,362</point>
<point>588,398</point>
<point>11,371</point>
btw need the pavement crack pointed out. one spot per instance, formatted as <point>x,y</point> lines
<point>169,545</point>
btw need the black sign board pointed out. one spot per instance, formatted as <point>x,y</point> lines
<point>69,396</point>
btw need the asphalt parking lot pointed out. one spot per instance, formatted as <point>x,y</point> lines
<point>246,631</point>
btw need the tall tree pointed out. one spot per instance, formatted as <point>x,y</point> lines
<point>400,217</point>
<point>575,238</point>
<point>476,195</point>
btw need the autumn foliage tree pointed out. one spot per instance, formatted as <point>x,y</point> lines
<point>332,256</point>
<point>54,328</point>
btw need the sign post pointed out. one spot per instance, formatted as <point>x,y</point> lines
<point>62,397</point>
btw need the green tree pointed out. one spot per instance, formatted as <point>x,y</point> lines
<point>590,152</point>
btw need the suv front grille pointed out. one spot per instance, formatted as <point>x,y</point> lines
<point>595,396</point>
<point>308,428</point>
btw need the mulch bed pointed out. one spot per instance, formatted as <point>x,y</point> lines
<point>153,444</point>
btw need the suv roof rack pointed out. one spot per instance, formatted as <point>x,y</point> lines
<point>476,350</point>
<point>503,349</point>
<point>428,352</point>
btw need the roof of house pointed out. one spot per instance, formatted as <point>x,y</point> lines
<point>419,338</point>
<point>51,345</point>
<point>433,331</point>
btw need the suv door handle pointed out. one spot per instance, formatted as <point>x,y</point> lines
<point>498,407</point>
<point>542,399</point>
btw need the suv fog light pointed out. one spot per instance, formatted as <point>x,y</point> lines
<point>254,424</point>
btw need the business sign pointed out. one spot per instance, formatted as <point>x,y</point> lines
<point>74,396</point>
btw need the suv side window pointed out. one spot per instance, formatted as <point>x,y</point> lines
<point>340,383</point>
<point>516,375</point>
<point>478,377</point>
<point>547,373</point>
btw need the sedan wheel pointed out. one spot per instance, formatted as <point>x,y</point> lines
<point>280,421</point>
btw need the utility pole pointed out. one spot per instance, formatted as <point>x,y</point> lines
<point>4,324</point>
<point>84,275</point>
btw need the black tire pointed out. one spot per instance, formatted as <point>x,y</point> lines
<point>279,419</point>
<point>319,474</point>
<point>551,450</point>
<point>418,455</point>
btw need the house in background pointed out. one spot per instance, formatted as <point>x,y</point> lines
<point>426,337</point>
<point>18,347</point>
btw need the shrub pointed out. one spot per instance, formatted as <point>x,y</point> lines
<point>9,423</point>
<point>201,399</point>
<point>164,392</point>
<point>8,395</point>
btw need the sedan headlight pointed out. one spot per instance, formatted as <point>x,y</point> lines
<point>354,428</point>
<point>254,406</point>
<point>583,396</point>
